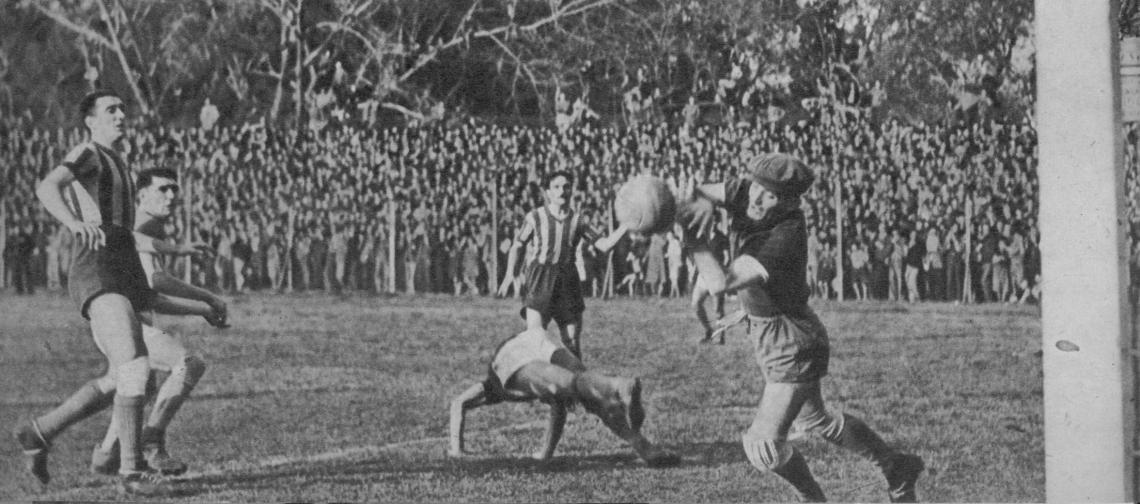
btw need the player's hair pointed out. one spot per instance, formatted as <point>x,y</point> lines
<point>87,104</point>
<point>555,174</point>
<point>146,177</point>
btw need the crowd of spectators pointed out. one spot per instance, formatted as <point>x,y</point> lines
<point>909,212</point>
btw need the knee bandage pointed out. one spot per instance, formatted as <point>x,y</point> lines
<point>132,376</point>
<point>766,454</point>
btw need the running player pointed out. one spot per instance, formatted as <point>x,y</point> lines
<point>158,191</point>
<point>535,366</point>
<point>791,343</point>
<point>92,193</point>
<point>552,288</point>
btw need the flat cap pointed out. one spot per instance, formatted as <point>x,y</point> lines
<point>781,173</point>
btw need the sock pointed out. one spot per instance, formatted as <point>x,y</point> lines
<point>796,472</point>
<point>112,435</point>
<point>85,402</point>
<point>128,411</point>
<point>129,400</point>
<point>857,437</point>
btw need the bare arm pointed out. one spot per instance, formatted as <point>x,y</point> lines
<point>471,398</point>
<point>177,306</point>
<point>744,271</point>
<point>149,244</point>
<point>167,284</point>
<point>49,192</point>
<point>607,243</point>
<point>509,278</point>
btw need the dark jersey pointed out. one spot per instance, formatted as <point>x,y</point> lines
<point>104,189</point>
<point>779,243</point>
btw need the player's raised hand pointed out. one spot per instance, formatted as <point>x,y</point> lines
<point>88,234</point>
<point>697,217</point>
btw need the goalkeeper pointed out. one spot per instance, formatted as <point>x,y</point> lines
<point>791,344</point>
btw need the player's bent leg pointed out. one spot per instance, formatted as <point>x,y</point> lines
<point>765,442</point>
<point>35,436</point>
<point>617,403</point>
<point>850,432</point>
<point>777,457</point>
<point>552,384</point>
<point>571,333</point>
<point>167,353</point>
<point>119,335</point>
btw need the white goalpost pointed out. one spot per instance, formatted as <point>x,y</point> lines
<point>1089,413</point>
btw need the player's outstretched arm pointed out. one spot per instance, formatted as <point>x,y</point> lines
<point>743,271</point>
<point>168,284</point>
<point>553,432</point>
<point>170,305</point>
<point>50,194</point>
<point>149,244</point>
<point>471,398</point>
<point>607,243</point>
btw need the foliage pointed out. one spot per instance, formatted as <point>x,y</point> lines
<point>318,62</point>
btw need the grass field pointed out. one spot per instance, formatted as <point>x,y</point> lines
<point>326,399</point>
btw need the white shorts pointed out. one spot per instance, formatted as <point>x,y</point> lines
<point>532,345</point>
<point>164,351</point>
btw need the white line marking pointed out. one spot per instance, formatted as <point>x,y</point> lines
<point>285,460</point>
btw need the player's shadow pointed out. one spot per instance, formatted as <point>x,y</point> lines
<point>380,469</point>
<point>394,468</point>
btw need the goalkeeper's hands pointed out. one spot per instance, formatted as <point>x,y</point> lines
<point>695,214</point>
<point>219,315</point>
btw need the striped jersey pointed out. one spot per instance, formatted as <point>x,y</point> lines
<point>104,188</point>
<point>553,240</point>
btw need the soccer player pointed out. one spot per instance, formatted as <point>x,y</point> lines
<point>534,365</point>
<point>92,193</point>
<point>552,289</point>
<point>791,343</point>
<point>158,192</point>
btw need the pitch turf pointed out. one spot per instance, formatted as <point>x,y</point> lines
<point>323,399</point>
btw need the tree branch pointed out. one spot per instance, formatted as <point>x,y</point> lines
<point>570,9</point>
<point>84,31</point>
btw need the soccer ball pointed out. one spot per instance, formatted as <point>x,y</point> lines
<point>645,205</point>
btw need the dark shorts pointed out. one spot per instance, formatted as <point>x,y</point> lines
<point>791,349</point>
<point>114,267</point>
<point>554,291</point>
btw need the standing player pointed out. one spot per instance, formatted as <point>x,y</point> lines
<point>92,193</point>
<point>552,289</point>
<point>533,365</point>
<point>791,343</point>
<point>158,191</point>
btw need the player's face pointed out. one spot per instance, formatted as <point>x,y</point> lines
<point>106,119</point>
<point>159,198</point>
<point>558,192</point>
<point>760,201</point>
